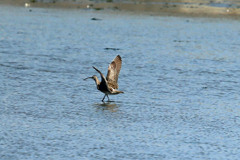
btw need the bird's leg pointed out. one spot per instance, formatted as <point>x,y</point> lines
<point>103,98</point>
<point>108,98</point>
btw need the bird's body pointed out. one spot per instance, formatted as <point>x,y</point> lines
<point>109,84</point>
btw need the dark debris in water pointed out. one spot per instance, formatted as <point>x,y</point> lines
<point>96,19</point>
<point>113,49</point>
<point>181,41</point>
<point>98,8</point>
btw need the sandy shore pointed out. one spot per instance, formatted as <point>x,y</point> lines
<point>183,7</point>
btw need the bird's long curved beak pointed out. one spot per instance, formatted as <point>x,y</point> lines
<point>87,78</point>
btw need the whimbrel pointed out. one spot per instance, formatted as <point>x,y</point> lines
<point>109,84</point>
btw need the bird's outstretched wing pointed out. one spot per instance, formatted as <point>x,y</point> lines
<point>113,71</point>
<point>102,76</point>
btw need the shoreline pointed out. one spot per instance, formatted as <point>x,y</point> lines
<point>168,9</point>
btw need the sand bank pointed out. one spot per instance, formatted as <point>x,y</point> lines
<point>177,7</point>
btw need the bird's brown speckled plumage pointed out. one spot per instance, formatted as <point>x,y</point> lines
<point>109,85</point>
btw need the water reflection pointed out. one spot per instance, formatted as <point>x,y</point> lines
<point>111,106</point>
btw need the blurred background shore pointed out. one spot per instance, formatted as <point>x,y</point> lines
<point>169,7</point>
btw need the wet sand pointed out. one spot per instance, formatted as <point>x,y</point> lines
<point>206,8</point>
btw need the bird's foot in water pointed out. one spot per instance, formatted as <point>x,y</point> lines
<point>108,101</point>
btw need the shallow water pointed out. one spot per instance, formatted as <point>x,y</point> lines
<point>180,77</point>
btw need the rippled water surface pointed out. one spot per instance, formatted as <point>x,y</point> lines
<point>180,77</point>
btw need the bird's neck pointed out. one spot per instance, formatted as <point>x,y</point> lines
<point>97,81</point>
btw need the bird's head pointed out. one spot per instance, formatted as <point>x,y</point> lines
<point>94,77</point>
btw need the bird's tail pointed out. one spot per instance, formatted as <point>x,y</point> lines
<point>117,92</point>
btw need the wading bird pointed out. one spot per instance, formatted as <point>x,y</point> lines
<point>109,84</point>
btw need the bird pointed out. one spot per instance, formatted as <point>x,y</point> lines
<point>109,84</point>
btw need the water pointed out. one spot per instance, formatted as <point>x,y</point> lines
<point>180,76</point>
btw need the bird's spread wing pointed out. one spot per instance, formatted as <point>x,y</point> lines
<point>113,71</point>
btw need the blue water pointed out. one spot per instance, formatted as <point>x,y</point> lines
<point>180,76</point>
